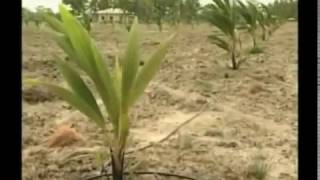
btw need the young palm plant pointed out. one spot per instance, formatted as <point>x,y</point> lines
<point>119,89</point>
<point>272,20</point>
<point>269,19</point>
<point>250,15</point>
<point>222,14</point>
<point>263,23</point>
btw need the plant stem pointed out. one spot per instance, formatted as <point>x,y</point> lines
<point>254,41</point>
<point>233,54</point>
<point>233,60</point>
<point>264,34</point>
<point>117,163</point>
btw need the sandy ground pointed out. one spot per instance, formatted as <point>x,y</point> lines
<point>249,112</point>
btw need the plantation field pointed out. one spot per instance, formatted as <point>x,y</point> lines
<point>244,113</point>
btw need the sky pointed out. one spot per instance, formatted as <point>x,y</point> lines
<point>53,4</point>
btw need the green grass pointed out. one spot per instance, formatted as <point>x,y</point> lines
<point>258,169</point>
<point>256,50</point>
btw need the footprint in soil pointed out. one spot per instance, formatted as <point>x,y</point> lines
<point>227,144</point>
<point>35,95</point>
<point>214,133</point>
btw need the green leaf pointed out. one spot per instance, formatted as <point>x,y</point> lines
<point>54,23</point>
<point>220,5</point>
<point>105,86</point>
<point>117,74</point>
<point>78,86</point>
<point>148,71</point>
<point>91,58</point>
<point>223,22</point>
<point>123,128</point>
<point>65,44</point>
<point>130,65</point>
<point>249,13</point>
<point>220,42</point>
<point>73,99</point>
<point>79,38</point>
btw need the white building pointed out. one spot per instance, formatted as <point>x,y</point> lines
<point>111,15</point>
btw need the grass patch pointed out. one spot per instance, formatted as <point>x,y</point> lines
<point>258,169</point>
<point>256,50</point>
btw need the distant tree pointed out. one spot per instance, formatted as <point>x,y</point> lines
<point>160,8</point>
<point>26,16</point>
<point>174,11</point>
<point>78,6</point>
<point>81,9</point>
<point>284,9</point>
<point>42,9</point>
<point>190,10</point>
<point>127,7</point>
<point>143,9</point>
<point>104,4</point>
<point>37,17</point>
<point>85,19</point>
<point>93,6</point>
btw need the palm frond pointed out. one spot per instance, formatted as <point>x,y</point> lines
<point>222,43</point>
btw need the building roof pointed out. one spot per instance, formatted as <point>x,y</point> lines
<point>110,11</point>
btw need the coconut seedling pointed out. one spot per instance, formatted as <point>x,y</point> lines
<point>269,20</point>
<point>222,14</point>
<point>263,23</point>
<point>119,88</point>
<point>250,14</point>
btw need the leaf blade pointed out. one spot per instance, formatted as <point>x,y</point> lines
<point>54,23</point>
<point>220,42</point>
<point>130,65</point>
<point>78,86</point>
<point>73,99</point>
<point>149,70</point>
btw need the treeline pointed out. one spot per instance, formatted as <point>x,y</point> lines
<point>284,8</point>
<point>157,12</point>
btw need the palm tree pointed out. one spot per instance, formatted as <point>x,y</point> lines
<point>119,88</point>
<point>26,16</point>
<point>250,15</point>
<point>270,19</point>
<point>190,10</point>
<point>262,20</point>
<point>222,14</point>
<point>159,12</point>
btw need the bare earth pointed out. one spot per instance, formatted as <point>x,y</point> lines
<point>252,111</point>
